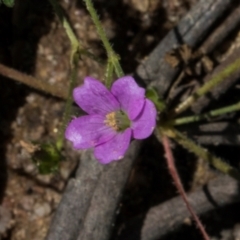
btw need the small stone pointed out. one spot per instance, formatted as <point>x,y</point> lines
<point>5,219</point>
<point>42,209</point>
<point>27,203</point>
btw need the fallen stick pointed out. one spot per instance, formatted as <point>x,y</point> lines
<point>221,88</point>
<point>72,209</point>
<point>219,133</point>
<point>221,32</point>
<point>87,208</point>
<point>32,82</point>
<point>191,30</point>
<point>101,213</point>
<point>169,216</point>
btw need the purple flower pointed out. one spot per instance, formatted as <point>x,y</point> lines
<point>114,117</point>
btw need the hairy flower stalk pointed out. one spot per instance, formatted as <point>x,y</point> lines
<point>114,117</point>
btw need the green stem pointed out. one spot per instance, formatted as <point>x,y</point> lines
<point>201,152</point>
<point>75,44</point>
<point>71,35</point>
<point>74,58</point>
<point>213,113</point>
<point>109,74</point>
<point>217,79</point>
<point>99,27</point>
<point>68,107</point>
<point>112,56</point>
<point>118,69</point>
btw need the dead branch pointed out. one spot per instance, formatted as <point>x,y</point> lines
<point>221,32</point>
<point>91,198</point>
<point>219,133</point>
<point>169,216</point>
<point>221,88</point>
<point>32,82</point>
<point>72,209</point>
<point>191,30</point>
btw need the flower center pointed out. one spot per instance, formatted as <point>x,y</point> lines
<point>118,120</point>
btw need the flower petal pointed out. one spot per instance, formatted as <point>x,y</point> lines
<point>145,123</point>
<point>130,96</point>
<point>88,131</point>
<point>114,149</point>
<point>94,98</point>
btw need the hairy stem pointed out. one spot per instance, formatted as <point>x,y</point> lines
<point>67,111</point>
<point>173,171</point>
<point>109,74</point>
<point>63,19</point>
<point>229,70</point>
<point>213,113</point>
<point>201,152</point>
<point>76,46</point>
<point>112,56</point>
<point>74,58</point>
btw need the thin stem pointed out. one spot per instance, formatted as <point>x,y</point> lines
<point>109,74</point>
<point>213,113</point>
<point>202,152</point>
<point>58,10</point>
<point>217,79</point>
<point>112,56</point>
<point>69,31</point>
<point>67,110</point>
<point>74,58</point>
<point>33,82</point>
<point>99,27</point>
<point>76,46</point>
<point>173,171</point>
<point>117,66</point>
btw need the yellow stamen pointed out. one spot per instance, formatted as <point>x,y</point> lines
<point>111,121</point>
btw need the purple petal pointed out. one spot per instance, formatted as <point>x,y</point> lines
<point>88,131</point>
<point>114,149</point>
<point>145,123</point>
<point>94,98</point>
<point>130,96</point>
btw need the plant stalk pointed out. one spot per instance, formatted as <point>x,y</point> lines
<point>74,58</point>
<point>213,113</point>
<point>217,79</point>
<point>112,56</point>
<point>201,152</point>
<point>177,181</point>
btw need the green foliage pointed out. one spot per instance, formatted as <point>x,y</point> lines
<point>47,158</point>
<point>8,3</point>
<point>152,94</point>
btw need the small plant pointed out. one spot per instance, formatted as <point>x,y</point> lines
<point>119,110</point>
<point>108,120</point>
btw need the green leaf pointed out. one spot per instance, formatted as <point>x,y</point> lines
<point>47,158</point>
<point>8,3</point>
<point>152,94</point>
